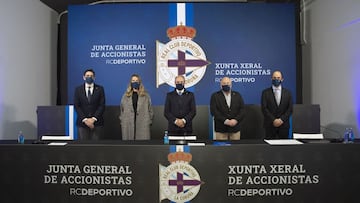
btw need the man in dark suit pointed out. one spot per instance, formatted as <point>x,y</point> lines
<point>180,108</point>
<point>227,108</point>
<point>277,107</point>
<point>89,101</point>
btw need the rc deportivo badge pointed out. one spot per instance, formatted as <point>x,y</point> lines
<point>179,182</point>
<point>180,56</point>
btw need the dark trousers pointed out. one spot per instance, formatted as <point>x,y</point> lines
<point>276,133</point>
<point>85,133</point>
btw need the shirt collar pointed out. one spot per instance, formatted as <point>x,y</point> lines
<point>225,93</point>
<point>276,88</point>
<point>180,91</point>
<point>89,85</point>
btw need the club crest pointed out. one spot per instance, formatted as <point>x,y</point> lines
<point>179,182</point>
<point>180,56</point>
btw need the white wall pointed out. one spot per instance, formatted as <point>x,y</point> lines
<point>27,64</point>
<point>331,62</point>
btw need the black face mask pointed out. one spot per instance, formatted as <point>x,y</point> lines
<point>135,85</point>
<point>179,86</point>
<point>89,80</point>
<point>276,83</point>
<point>225,88</point>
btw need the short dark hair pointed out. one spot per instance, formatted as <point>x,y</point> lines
<point>91,70</point>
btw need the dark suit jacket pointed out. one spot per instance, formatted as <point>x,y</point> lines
<point>94,108</point>
<point>220,110</point>
<point>177,106</point>
<point>271,110</point>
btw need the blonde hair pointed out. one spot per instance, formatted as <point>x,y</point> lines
<point>129,90</point>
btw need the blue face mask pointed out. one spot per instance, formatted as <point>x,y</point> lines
<point>276,83</point>
<point>225,88</point>
<point>135,85</point>
<point>179,86</point>
<point>89,80</point>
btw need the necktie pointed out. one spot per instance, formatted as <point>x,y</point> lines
<point>89,94</point>
<point>277,96</point>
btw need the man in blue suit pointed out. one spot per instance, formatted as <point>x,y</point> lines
<point>277,107</point>
<point>180,108</point>
<point>89,101</point>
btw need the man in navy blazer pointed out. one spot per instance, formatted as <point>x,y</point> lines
<point>89,102</point>
<point>227,108</point>
<point>277,107</point>
<point>180,108</point>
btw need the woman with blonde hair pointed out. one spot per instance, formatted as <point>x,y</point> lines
<point>136,112</point>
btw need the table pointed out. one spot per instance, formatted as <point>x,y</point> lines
<point>119,171</point>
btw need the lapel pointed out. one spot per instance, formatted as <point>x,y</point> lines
<point>223,99</point>
<point>232,99</point>
<point>95,91</point>
<point>273,97</point>
<point>83,92</point>
<point>281,95</point>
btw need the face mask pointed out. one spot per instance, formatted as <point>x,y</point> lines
<point>89,80</point>
<point>135,85</point>
<point>225,88</point>
<point>179,86</point>
<point>276,83</point>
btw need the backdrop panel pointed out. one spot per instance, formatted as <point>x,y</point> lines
<point>244,41</point>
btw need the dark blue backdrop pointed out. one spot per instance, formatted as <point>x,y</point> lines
<point>237,33</point>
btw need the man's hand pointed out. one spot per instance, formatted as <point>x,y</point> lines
<point>180,123</point>
<point>90,123</point>
<point>277,122</point>
<point>231,122</point>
